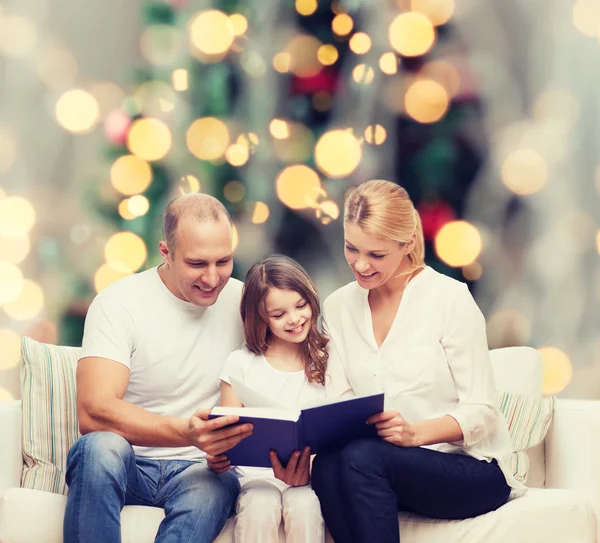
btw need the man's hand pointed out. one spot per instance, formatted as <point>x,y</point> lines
<point>297,471</point>
<point>219,464</point>
<point>216,436</point>
<point>392,428</point>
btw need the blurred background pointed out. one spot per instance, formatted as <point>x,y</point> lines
<point>486,112</point>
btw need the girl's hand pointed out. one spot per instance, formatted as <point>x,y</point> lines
<point>392,428</point>
<point>219,464</point>
<point>297,471</point>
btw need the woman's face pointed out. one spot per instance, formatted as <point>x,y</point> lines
<point>372,260</point>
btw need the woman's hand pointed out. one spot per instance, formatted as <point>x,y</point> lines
<point>297,471</point>
<point>392,428</point>
<point>219,464</point>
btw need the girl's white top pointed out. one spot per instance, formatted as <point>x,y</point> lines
<point>434,362</point>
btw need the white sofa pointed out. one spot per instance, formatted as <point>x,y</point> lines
<point>564,510</point>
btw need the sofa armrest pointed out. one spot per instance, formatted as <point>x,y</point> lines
<point>11,460</point>
<point>573,449</point>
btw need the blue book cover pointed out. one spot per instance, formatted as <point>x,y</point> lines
<point>327,425</point>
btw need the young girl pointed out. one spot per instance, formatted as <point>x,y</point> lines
<point>284,359</point>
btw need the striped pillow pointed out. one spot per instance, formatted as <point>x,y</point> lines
<point>49,413</point>
<point>528,418</point>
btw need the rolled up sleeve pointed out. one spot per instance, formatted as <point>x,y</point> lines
<point>465,344</point>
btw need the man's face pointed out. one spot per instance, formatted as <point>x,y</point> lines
<point>203,260</point>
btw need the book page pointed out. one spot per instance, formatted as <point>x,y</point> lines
<point>257,412</point>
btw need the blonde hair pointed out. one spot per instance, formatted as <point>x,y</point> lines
<point>384,210</point>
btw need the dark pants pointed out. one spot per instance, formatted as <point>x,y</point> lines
<point>362,487</point>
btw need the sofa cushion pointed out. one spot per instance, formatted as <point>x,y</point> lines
<point>540,516</point>
<point>49,413</point>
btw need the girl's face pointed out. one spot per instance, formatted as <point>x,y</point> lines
<point>289,315</point>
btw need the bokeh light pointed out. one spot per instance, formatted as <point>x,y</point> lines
<point>138,205</point>
<point>17,216</point>
<point>438,12</point>
<point>124,210</point>
<point>107,275</point>
<point>180,79</point>
<point>598,241</point>
<point>444,73</point>
<point>125,252</point>
<point>155,98</point>
<point>14,249</point>
<point>298,144</point>
<point>388,63</point>
<point>360,43</point>
<point>279,129</point>
<point>426,101</point>
<point>10,347</point>
<point>337,153</point>
<point>8,149</point>
<point>297,185</point>
<point>189,184</point>
<point>473,272</point>
<point>235,237</point>
<point>282,61</point>
<point>458,243</point>
<point>5,395</point>
<point>375,134</point>
<point>28,304</point>
<point>239,23</point>
<point>327,54</point>
<point>161,44</point>
<point>586,17</point>
<point>77,111</point>
<point>237,154</point>
<point>328,211</point>
<point>234,191</point>
<point>306,7</point>
<point>342,24</point>
<point>558,370</point>
<point>211,32</point>
<point>524,172</point>
<point>363,74</point>
<point>149,139</point>
<point>207,138</point>
<point>57,67</point>
<point>130,175</point>
<point>261,213</point>
<point>18,35</point>
<point>411,34</point>
<point>11,282</point>
<point>303,53</point>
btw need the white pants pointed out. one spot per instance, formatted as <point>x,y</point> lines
<point>261,506</point>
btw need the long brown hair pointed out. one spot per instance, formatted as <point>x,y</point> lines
<point>283,273</point>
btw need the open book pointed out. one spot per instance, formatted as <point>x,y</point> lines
<point>331,422</point>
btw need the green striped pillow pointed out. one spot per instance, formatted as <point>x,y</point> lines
<point>528,418</point>
<point>49,413</point>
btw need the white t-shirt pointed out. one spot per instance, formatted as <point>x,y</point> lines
<point>288,389</point>
<point>174,349</point>
<point>433,362</point>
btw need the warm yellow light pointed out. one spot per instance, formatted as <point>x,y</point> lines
<point>388,63</point>
<point>237,154</point>
<point>77,111</point>
<point>234,191</point>
<point>11,282</point>
<point>375,133</point>
<point>5,395</point>
<point>124,210</point>
<point>306,7</point>
<point>249,141</point>
<point>189,184</point>
<point>327,54</point>
<point>282,61</point>
<point>208,138</point>
<point>342,24</point>
<point>211,32</point>
<point>558,370</point>
<point>444,73</point>
<point>130,175</point>
<point>279,129</point>
<point>337,153</point>
<point>125,252</point>
<point>458,243</point>
<point>160,44</point>
<point>138,205</point>
<point>57,68</point>
<point>303,50</point>
<point>179,79</point>
<point>473,272</point>
<point>524,172</point>
<point>598,241</point>
<point>235,237</point>
<point>261,213</point>
<point>411,34</point>
<point>239,23</point>
<point>8,149</point>
<point>363,74</point>
<point>107,275</point>
<point>328,211</point>
<point>10,347</point>
<point>28,304</point>
<point>360,43</point>
<point>438,12</point>
<point>149,139</point>
<point>14,249</point>
<point>297,185</point>
<point>297,146</point>
<point>18,35</point>
<point>17,216</point>
<point>586,17</point>
<point>426,101</point>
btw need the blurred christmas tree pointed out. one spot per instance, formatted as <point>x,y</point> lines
<point>277,108</point>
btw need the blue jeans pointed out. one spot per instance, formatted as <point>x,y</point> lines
<point>362,487</point>
<point>104,474</point>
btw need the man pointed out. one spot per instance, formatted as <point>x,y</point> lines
<point>153,347</point>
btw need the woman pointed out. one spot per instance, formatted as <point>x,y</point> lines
<point>402,328</point>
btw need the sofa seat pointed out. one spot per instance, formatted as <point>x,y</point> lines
<point>540,516</point>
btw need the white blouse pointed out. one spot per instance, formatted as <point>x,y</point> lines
<point>433,362</point>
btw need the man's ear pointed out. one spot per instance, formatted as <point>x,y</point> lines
<point>164,251</point>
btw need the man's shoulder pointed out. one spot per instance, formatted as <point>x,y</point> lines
<point>130,286</point>
<point>231,294</point>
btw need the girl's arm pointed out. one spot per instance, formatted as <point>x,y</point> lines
<point>228,397</point>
